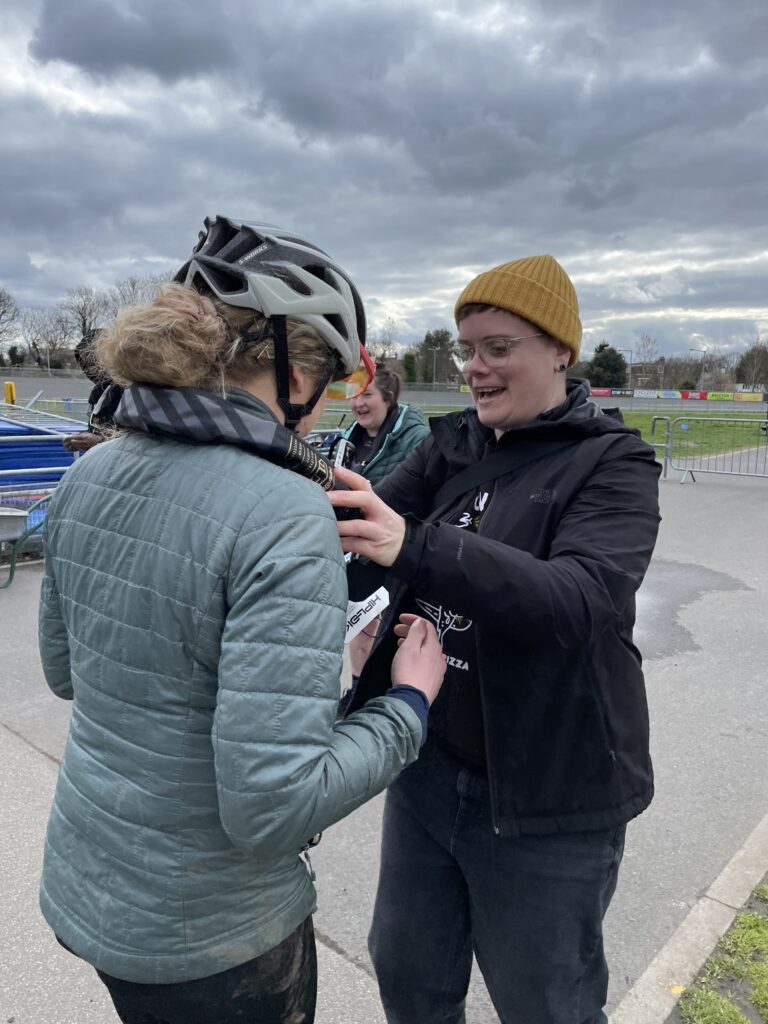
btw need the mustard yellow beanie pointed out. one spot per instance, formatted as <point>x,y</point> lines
<point>535,288</point>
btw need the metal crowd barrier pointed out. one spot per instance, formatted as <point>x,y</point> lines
<point>20,518</point>
<point>66,407</point>
<point>702,444</point>
<point>32,459</point>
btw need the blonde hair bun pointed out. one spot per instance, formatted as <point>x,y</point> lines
<point>188,339</point>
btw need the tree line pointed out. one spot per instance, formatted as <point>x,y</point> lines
<point>432,360</point>
<point>698,370</point>
<point>46,338</point>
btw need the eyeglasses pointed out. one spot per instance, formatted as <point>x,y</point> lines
<point>494,352</point>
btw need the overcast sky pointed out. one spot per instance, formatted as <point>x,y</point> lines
<point>419,142</point>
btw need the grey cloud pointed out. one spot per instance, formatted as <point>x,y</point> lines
<point>100,38</point>
<point>472,113</point>
<point>598,190</point>
<point>471,110</point>
<point>738,43</point>
<point>413,149</point>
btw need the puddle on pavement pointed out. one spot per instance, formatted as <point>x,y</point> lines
<point>668,587</point>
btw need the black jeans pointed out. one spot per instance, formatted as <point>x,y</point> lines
<point>530,909</point>
<point>279,987</point>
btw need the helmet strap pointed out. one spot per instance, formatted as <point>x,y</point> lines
<point>292,412</point>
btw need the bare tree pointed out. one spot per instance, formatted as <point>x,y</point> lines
<point>717,371</point>
<point>9,316</point>
<point>135,291</point>
<point>752,367</point>
<point>647,371</point>
<point>382,344</point>
<point>86,308</point>
<point>646,349</point>
<point>682,373</point>
<point>720,370</point>
<point>48,336</point>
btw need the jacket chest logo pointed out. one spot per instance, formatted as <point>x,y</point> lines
<point>444,620</point>
<point>543,496</point>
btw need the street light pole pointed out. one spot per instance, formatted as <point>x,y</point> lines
<point>628,351</point>
<point>434,367</point>
<point>701,368</point>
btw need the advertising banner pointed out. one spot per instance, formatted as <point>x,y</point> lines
<point>748,396</point>
<point>600,392</point>
<point>622,392</point>
<point>720,396</point>
<point>669,394</point>
<point>694,395</point>
<point>643,393</point>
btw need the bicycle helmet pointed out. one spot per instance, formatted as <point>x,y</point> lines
<point>278,274</point>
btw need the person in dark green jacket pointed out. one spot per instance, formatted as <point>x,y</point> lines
<point>384,432</point>
<point>193,609</point>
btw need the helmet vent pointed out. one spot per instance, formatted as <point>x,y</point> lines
<point>337,323</point>
<point>284,274</point>
<point>221,281</point>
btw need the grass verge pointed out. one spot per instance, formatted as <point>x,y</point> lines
<point>732,987</point>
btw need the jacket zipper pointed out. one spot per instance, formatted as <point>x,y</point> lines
<point>491,787</point>
<point>385,442</point>
<point>380,452</point>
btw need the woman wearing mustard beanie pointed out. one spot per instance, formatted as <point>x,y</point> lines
<point>523,529</point>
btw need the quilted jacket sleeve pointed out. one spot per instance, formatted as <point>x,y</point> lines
<point>285,769</point>
<point>52,636</point>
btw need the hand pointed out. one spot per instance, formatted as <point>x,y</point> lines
<point>403,627</point>
<point>419,660</point>
<point>380,533</point>
<point>82,442</point>
<point>360,646</point>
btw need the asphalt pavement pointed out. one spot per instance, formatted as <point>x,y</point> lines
<point>701,615</point>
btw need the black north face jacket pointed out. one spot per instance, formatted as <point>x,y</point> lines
<point>549,580</point>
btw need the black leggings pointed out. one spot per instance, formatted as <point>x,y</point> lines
<point>278,986</point>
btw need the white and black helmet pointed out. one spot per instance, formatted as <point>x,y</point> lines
<point>274,272</point>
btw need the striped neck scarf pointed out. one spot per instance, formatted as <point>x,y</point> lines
<point>201,417</point>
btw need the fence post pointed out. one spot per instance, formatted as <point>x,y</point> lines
<point>664,444</point>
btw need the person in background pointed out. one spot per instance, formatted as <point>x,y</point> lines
<point>193,609</point>
<point>103,399</point>
<point>523,528</point>
<point>384,431</point>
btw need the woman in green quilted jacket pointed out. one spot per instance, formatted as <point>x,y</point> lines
<point>193,610</point>
<point>384,431</point>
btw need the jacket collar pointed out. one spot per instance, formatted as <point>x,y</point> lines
<point>245,400</point>
<point>196,416</point>
<point>462,438</point>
